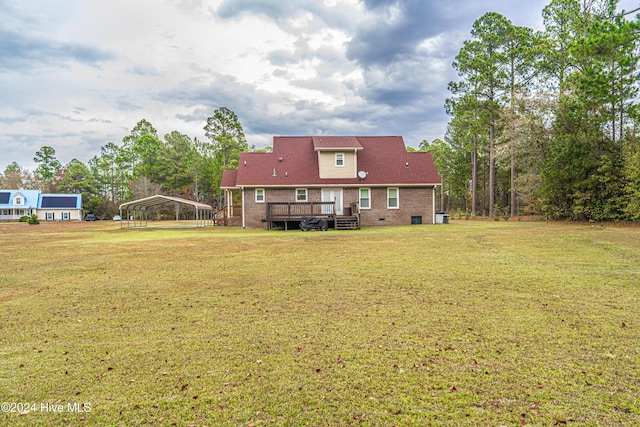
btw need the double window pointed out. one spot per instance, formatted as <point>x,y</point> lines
<point>339,160</point>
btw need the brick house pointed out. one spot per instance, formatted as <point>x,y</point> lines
<point>349,180</point>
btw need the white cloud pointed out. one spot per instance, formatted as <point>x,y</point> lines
<point>77,74</point>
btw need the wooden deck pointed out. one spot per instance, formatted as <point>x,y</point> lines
<point>289,213</point>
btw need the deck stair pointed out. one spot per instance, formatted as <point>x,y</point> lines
<point>220,216</point>
<point>228,215</point>
<point>347,222</point>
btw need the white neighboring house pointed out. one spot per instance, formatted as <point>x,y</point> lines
<point>48,207</point>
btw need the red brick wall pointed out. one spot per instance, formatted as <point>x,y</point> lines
<point>412,201</point>
<point>254,212</point>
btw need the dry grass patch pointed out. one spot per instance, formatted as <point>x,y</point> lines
<point>466,324</point>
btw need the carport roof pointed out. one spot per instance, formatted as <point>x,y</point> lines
<point>143,204</point>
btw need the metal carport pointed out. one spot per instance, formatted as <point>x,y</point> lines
<point>137,211</point>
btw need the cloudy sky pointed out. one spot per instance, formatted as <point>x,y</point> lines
<point>76,74</point>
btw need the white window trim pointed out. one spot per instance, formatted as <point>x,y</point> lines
<point>397,198</point>
<point>263,195</point>
<point>306,194</point>
<point>343,160</point>
<point>66,216</point>
<point>50,216</point>
<point>18,200</point>
<point>360,197</point>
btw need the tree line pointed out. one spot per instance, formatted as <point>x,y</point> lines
<point>542,123</point>
<point>545,123</point>
<point>142,165</point>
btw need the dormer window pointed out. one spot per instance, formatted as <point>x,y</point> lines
<point>18,201</point>
<point>339,160</point>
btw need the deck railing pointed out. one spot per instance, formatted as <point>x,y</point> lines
<point>286,211</point>
<point>355,209</point>
<point>221,216</point>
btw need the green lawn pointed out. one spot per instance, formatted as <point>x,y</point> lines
<point>470,323</point>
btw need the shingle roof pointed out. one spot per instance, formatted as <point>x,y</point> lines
<point>294,162</point>
<point>229,178</point>
<point>335,143</point>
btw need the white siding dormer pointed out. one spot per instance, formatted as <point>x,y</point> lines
<point>18,199</point>
<point>340,164</point>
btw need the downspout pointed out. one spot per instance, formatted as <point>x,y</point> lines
<point>433,205</point>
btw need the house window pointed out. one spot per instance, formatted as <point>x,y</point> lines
<point>301,194</point>
<point>393,198</point>
<point>259,195</point>
<point>18,201</point>
<point>339,160</point>
<point>50,216</point>
<point>66,216</point>
<point>365,198</point>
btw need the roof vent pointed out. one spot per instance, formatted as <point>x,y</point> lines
<point>286,174</point>
<point>406,165</point>
<point>281,159</point>
<point>274,172</point>
<point>245,163</point>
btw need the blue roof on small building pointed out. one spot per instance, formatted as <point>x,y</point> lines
<point>33,199</point>
<point>30,198</point>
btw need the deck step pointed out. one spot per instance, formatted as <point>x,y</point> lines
<point>347,223</point>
